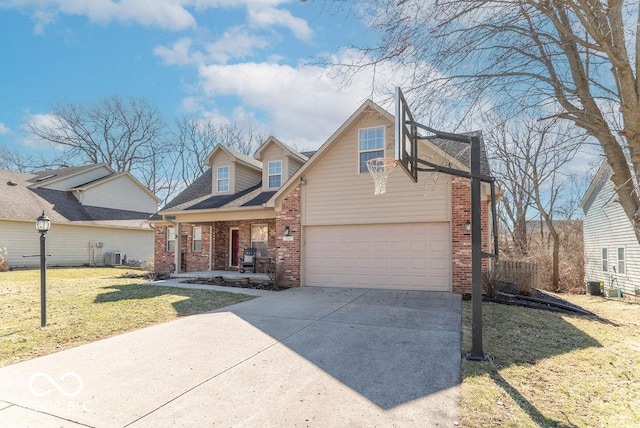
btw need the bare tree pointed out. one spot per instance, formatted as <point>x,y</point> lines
<point>126,135</point>
<point>15,160</point>
<point>513,178</point>
<point>576,60</point>
<point>530,157</point>
<point>195,139</point>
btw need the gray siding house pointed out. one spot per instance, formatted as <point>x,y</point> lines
<point>611,250</point>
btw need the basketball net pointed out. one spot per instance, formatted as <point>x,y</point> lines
<point>380,169</point>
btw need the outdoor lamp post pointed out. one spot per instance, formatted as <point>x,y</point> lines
<point>43,224</point>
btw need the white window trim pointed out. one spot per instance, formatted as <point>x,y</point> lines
<point>624,261</point>
<point>265,241</point>
<point>218,179</point>
<point>604,268</point>
<point>384,143</point>
<point>269,175</point>
<point>171,237</point>
<point>193,240</point>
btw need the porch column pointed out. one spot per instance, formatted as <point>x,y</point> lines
<point>177,255</point>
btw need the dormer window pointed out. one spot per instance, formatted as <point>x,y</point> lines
<point>223,179</point>
<point>275,174</point>
<point>371,145</point>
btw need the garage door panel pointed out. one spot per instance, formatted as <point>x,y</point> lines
<point>410,256</point>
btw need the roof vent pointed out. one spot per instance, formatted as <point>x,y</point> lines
<point>11,183</point>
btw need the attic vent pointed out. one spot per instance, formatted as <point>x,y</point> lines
<point>46,177</point>
<point>11,183</point>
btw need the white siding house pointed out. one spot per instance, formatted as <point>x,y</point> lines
<point>93,210</point>
<point>611,250</point>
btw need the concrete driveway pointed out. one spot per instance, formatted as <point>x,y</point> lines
<point>318,357</point>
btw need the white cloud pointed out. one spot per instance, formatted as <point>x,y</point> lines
<point>236,42</point>
<point>43,121</point>
<point>266,17</point>
<point>179,53</point>
<point>304,104</point>
<point>174,15</point>
<point>4,129</point>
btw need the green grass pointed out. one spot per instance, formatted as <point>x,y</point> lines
<point>84,305</point>
<point>551,369</point>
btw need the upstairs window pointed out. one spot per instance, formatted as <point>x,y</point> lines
<point>171,239</point>
<point>605,260</point>
<point>371,145</point>
<point>223,179</point>
<point>197,239</point>
<point>275,174</point>
<point>622,262</point>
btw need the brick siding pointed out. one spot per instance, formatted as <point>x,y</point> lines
<point>461,238</point>
<point>289,253</point>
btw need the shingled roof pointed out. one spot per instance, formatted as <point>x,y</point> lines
<point>20,200</point>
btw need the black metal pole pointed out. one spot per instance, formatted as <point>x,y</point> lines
<point>43,281</point>
<point>476,254</point>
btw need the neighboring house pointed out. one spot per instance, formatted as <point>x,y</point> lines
<point>315,214</point>
<point>611,250</point>
<point>97,216</point>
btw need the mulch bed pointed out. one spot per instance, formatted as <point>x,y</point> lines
<point>239,283</point>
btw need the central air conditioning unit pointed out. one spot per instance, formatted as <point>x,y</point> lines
<point>113,259</point>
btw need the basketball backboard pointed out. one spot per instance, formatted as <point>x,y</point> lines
<point>406,147</point>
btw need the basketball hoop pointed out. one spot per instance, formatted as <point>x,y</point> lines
<point>380,169</point>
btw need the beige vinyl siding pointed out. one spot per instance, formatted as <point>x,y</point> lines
<point>69,244</point>
<point>294,166</point>
<point>273,153</point>
<point>78,180</point>
<point>222,159</point>
<point>245,177</point>
<point>120,193</point>
<point>336,193</point>
<point>605,225</point>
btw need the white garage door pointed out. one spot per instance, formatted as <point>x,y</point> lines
<point>414,256</point>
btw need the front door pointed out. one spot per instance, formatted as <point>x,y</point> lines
<point>234,246</point>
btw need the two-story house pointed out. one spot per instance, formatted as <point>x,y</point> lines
<point>315,215</point>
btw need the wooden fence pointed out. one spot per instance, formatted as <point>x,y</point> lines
<point>513,271</point>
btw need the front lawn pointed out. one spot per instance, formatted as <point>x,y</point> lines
<point>88,304</point>
<point>552,369</point>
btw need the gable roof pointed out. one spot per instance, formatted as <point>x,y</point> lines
<point>50,176</point>
<point>247,160</point>
<point>93,183</point>
<point>284,147</point>
<point>599,180</point>
<point>20,200</point>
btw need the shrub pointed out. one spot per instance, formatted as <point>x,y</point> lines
<point>276,273</point>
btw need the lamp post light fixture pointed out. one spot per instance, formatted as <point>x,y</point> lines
<point>43,224</point>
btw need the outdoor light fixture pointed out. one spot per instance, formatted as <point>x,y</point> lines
<point>287,231</point>
<point>43,224</point>
<point>467,225</point>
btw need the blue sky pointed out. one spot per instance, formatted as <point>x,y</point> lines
<point>223,60</point>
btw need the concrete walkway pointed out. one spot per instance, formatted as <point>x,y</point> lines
<point>308,357</point>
